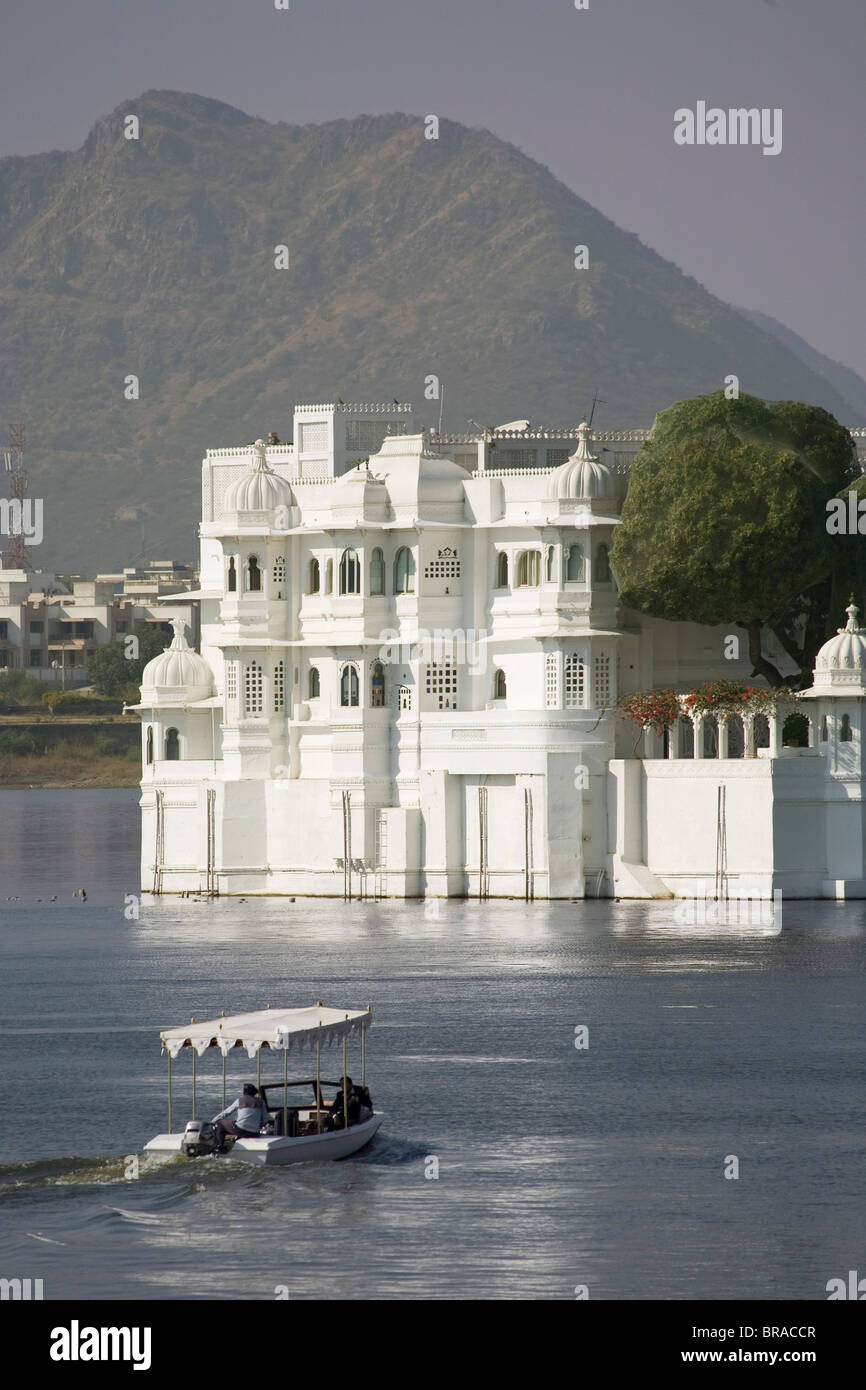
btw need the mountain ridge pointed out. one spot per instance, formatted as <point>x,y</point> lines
<point>408,258</point>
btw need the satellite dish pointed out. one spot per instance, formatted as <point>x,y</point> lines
<point>514,425</point>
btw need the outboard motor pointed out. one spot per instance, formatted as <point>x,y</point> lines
<point>198,1138</point>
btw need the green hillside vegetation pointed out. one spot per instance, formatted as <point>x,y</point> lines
<point>408,257</point>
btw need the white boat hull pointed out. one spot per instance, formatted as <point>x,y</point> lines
<point>274,1150</point>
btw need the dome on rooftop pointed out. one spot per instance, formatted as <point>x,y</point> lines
<point>178,673</point>
<point>260,489</point>
<point>582,477</point>
<point>840,666</point>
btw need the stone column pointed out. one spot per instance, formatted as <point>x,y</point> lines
<point>748,736</point>
<point>776,720</point>
<point>722,727</point>
<point>698,727</point>
<point>674,744</point>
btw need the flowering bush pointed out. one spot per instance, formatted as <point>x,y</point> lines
<point>725,698</point>
<point>651,709</point>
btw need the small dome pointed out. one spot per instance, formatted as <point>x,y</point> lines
<point>582,477</point>
<point>259,490</point>
<point>840,666</point>
<point>178,673</point>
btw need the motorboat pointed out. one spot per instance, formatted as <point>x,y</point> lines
<point>298,1129</point>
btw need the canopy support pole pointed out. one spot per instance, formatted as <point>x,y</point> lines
<point>345,1088</point>
<point>259,1069</point>
<point>286,1088</point>
<point>169,1093</point>
<point>319,1080</point>
<point>363,1056</point>
<point>224,1081</point>
<point>194,1059</point>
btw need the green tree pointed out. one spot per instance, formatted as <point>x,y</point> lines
<point>17,741</point>
<point>110,670</point>
<point>725,522</point>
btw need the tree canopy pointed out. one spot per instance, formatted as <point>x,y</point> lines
<point>113,672</point>
<point>725,521</point>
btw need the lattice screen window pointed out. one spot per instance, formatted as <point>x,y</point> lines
<point>575,681</point>
<point>557,456</point>
<point>442,684</point>
<point>551,681</point>
<point>279,685</point>
<point>232,682</point>
<point>447,566</point>
<point>602,682</point>
<point>314,437</point>
<point>280,570</point>
<point>365,436</point>
<point>513,458</point>
<point>254,689</point>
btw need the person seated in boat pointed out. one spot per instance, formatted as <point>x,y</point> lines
<point>252,1116</point>
<point>357,1099</point>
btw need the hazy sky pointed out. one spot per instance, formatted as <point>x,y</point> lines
<point>590,93</point>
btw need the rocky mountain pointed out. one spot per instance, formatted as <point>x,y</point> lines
<point>154,257</point>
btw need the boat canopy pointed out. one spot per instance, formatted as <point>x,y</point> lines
<point>286,1030</point>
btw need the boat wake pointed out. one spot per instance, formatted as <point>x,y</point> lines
<point>390,1151</point>
<point>82,1172</point>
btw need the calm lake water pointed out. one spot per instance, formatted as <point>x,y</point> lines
<point>557,1167</point>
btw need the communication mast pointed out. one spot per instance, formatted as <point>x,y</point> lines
<point>13,457</point>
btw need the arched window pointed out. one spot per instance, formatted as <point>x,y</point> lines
<point>172,745</point>
<point>377,571</point>
<point>404,571</point>
<point>499,688</point>
<point>231,682</point>
<point>279,686</point>
<point>232,582</point>
<point>845,731</point>
<point>550,569</point>
<point>149,743</point>
<point>602,690</point>
<point>329,576</point>
<point>405,697</point>
<point>254,575</point>
<point>349,687</point>
<point>502,570</point>
<point>575,681</point>
<point>280,570</point>
<point>602,565</point>
<point>377,687</point>
<point>350,572</point>
<point>254,689</point>
<point>824,729</point>
<point>528,569</point>
<point>551,681</point>
<point>574,567</point>
<point>315,578</point>
<point>313,686</point>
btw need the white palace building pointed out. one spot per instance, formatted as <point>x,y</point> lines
<point>411,654</point>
